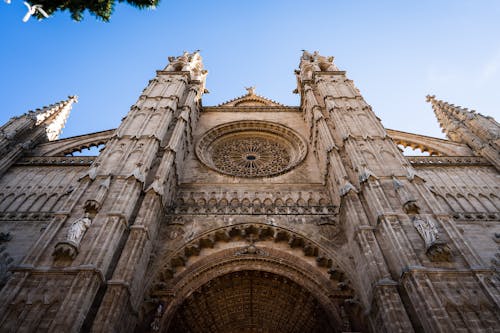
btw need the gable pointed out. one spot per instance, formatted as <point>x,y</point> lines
<point>250,99</point>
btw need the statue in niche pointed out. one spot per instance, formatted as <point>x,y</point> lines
<point>155,325</point>
<point>78,228</point>
<point>69,247</point>
<point>427,229</point>
<point>436,249</point>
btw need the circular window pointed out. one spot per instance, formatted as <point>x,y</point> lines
<point>251,149</point>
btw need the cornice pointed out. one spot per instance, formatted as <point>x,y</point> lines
<point>251,109</point>
<point>57,160</point>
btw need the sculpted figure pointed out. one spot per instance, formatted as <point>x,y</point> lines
<point>436,249</point>
<point>306,55</point>
<point>78,228</point>
<point>427,229</point>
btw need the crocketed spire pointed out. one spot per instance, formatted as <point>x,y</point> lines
<point>481,133</point>
<point>54,116</point>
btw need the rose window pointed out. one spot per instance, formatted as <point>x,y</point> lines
<point>251,149</point>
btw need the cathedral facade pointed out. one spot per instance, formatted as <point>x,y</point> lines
<point>250,216</point>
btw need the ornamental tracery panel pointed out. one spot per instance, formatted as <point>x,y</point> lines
<point>251,149</point>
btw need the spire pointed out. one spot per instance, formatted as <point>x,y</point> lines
<point>480,133</point>
<point>54,116</point>
<point>20,134</point>
<point>447,121</point>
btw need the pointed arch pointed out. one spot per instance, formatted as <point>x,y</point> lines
<point>16,202</point>
<point>38,203</point>
<point>490,206</point>
<point>464,203</point>
<point>49,203</point>
<point>28,202</point>
<point>6,202</point>
<point>444,203</point>
<point>478,206</point>
<point>452,201</point>
<point>495,200</point>
<point>59,202</point>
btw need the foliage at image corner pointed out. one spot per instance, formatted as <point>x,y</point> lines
<point>102,9</point>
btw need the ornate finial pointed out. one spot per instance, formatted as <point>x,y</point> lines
<point>251,90</point>
<point>429,98</point>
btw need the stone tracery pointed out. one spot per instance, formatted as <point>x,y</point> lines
<point>250,156</point>
<point>251,149</point>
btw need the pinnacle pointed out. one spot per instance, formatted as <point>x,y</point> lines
<point>54,116</point>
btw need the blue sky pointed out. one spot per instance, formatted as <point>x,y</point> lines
<point>395,51</point>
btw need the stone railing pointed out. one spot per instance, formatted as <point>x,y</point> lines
<point>417,161</point>
<point>26,216</point>
<point>57,160</point>
<point>254,210</point>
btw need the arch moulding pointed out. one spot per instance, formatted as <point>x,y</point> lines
<point>249,247</point>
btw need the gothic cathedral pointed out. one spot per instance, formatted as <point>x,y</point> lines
<point>250,216</point>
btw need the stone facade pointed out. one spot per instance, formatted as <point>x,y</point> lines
<point>250,216</point>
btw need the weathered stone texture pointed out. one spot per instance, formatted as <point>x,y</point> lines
<point>249,216</point>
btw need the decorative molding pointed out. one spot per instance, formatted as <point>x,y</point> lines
<point>250,99</point>
<point>57,160</point>
<point>253,210</point>
<point>252,233</point>
<point>251,109</point>
<point>26,216</point>
<point>424,161</point>
<point>477,216</point>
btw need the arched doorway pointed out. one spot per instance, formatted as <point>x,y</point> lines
<point>251,301</point>
<point>256,278</point>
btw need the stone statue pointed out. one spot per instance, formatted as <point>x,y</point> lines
<point>69,247</point>
<point>78,228</point>
<point>251,90</point>
<point>427,229</point>
<point>436,249</point>
<point>306,55</point>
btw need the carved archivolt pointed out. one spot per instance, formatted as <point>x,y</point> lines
<point>179,276</point>
<point>251,149</point>
<point>254,232</point>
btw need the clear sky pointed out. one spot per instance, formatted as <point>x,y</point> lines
<point>395,51</point>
